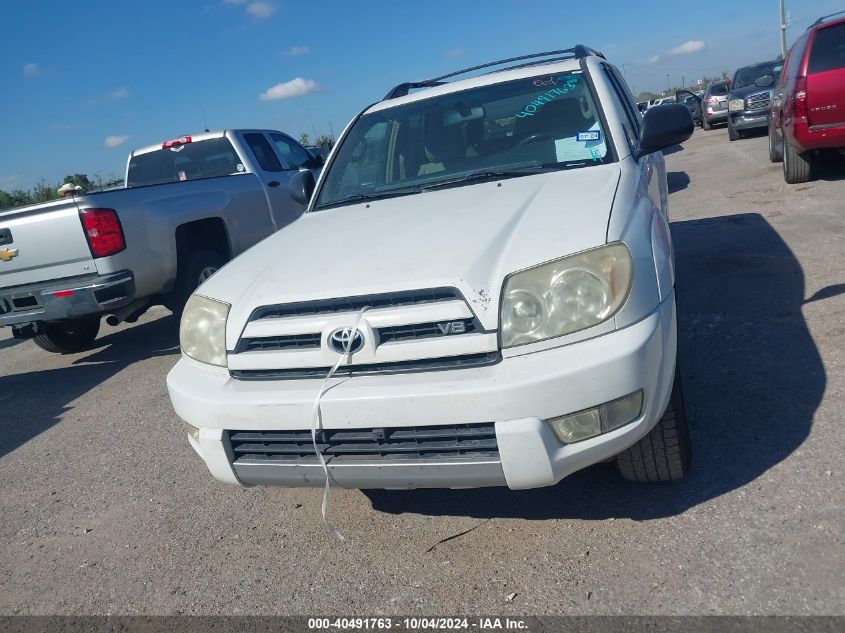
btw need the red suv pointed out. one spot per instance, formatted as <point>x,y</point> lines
<point>807,112</point>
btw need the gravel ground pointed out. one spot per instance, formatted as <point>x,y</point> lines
<point>105,509</point>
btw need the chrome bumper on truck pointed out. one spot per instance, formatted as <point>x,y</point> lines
<point>454,428</point>
<point>66,299</point>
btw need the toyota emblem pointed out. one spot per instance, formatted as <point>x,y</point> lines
<point>345,340</point>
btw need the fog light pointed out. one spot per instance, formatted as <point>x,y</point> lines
<point>192,431</point>
<point>588,423</point>
<point>621,412</point>
<point>577,426</point>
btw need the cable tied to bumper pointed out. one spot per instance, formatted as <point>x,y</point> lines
<point>317,422</point>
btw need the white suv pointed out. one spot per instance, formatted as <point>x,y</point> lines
<point>487,264</point>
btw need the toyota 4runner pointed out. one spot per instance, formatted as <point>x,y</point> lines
<point>487,265</point>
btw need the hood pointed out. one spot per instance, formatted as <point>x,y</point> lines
<point>469,237</point>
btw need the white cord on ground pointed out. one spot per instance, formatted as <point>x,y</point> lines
<point>318,422</point>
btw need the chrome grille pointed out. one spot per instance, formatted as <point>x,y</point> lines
<point>387,443</point>
<point>400,367</point>
<point>353,304</point>
<point>758,101</point>
<point>277,343</point>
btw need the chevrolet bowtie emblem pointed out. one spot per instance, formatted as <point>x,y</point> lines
<point>8,254</point>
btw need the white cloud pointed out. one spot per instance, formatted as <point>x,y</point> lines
<point>293,88</point>
<point>120,93</point>
<point>260,10</point>
<point>296,51</point>
<point>31,69</point>
<point>654,59</point>
<point>114,141</point>
<point>688,48</point>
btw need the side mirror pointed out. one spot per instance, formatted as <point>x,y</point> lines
<point>664,126</point>
<point>765,81</point>
<point>316,161</point>
<point>302,186</point>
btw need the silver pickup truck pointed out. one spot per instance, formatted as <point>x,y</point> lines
<point>188,206</point>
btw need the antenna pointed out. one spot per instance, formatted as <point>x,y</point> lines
<point>202,112</point>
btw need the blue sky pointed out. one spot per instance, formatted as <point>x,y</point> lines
<point>89,80</point>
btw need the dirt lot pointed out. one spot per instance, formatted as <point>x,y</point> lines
<point>104,507</point>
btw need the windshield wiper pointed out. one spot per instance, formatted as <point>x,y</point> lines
<point>375,195</point>
<point>493,174</point>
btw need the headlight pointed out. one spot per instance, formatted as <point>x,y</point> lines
<point>202,333</point>
<point>736,105</point>
<point>566,295</point>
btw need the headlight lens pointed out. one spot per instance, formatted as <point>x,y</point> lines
<point>202,332</point>
<point>736,105</point>
<point>566,295</point>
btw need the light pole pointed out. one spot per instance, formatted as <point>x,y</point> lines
<point>668,87</point>
<point>683,82</point>
<point>782,30</point>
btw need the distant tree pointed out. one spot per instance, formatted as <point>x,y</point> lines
<point>42,192</point>
<point>16,198</point>
<point>80,180</point>
<point>725,75</point>
<point>304,139</point>
<point>324,138</point>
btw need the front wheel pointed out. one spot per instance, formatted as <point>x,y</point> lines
<point>733,135</point>
<point>194,268</point>
<point>67,337</point>
<point>665,454</point>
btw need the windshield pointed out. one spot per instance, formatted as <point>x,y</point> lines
<point>538,123</point>
<point>747,76</point>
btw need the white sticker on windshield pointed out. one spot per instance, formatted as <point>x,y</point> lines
<point>585,145</point>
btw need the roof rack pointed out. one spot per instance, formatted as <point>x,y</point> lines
<point>824,18</point>
<point>576,52</point>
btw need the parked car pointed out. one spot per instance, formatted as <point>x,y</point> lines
<point>693,103</point>
<point>485,333</point>
<point>188,206</point>
<point>749,97</point>
<point>715,103</point>
<point>807,114</point>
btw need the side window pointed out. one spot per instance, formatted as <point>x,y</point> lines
<point>294,155</point>
<point>633,118</point>
<point>263,152</point>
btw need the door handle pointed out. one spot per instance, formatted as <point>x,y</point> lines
<point>273,183</point>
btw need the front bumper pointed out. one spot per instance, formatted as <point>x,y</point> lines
<point>518,395</point>
<point>78,297</point>
<point>746,120</point>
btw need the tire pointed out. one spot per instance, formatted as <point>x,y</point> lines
<point>665,454</point>
<point>775,146</point>
<point>194,269</point>
<point>733,135</point>
<point>796,167</point>
<point>67,337</point>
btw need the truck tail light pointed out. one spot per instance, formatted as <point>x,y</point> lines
<point>103,231</point>
<point>800,97</point>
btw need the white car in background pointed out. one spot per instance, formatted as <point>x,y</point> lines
<point>488,266</point>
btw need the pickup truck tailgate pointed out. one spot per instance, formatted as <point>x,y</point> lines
<point>42,243</point>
